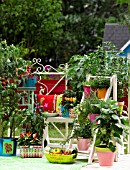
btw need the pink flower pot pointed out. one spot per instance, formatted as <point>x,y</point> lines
<point>92,117</point>
<point>87,90</point>
<point>105,156</point>
<point>83,144</point>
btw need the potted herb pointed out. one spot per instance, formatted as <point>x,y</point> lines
<point>82,110</point>
<point>32,135</point>
<point>79,66</point>
<point>82,124</point>
<point>101,84</point>
<point>83,133</point>
<point>88,83</point>
<point>111,128</point>
<point>88,86</point>
<point>10,115</point>
<point>87,108</point>
<point>94,111</point>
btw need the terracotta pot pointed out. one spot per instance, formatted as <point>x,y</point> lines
<point>105,156</point>
<point>83,144</point>
<point>101,93</point>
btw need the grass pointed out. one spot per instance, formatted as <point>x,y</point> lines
<point>53,132</point>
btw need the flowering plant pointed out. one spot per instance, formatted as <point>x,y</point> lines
<point>69,98</point>
<point>28,78</point>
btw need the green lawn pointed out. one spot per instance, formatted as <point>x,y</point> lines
<point>53,132</point>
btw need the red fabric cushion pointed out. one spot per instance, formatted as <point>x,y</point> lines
<point>47,101</point>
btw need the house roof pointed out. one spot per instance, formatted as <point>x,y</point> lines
<point>119,35</point>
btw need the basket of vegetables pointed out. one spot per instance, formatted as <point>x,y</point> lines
<point>58,155</point>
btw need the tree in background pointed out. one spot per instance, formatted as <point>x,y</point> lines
<point>124,1</point>
<point>54,30</point>
<point>84,25</point>
<point>126,14</point>
<point>35,24</point>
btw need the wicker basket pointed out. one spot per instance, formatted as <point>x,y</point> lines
<point>31,152</point>
<point>60,158</point>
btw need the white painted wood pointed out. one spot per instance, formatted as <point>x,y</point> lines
<point>91,154</point>
<point>51,120</point>
<point>113,84</point>
<point>125,46</point>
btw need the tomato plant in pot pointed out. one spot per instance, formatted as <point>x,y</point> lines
<point>10,115</point>
<point>111,128</point>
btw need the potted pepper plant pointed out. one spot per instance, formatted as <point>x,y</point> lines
<point>31,137</point>
<point>87,108</point>
<point>111,127</point>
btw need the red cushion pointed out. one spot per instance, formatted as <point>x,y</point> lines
<point>47,101</point>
